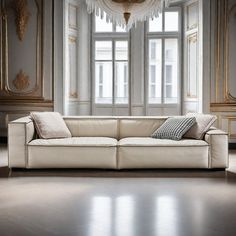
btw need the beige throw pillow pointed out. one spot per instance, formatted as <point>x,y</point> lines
<point>202,125</point>
<point>50,125</point>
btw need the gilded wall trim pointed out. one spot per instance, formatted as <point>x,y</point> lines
<point>36,92</point>
<point>21,81</point>
<point>228,13</point>
<point>22,16</point>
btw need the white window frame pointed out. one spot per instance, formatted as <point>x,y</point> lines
<point>113,37</point>
<point>164,35</point>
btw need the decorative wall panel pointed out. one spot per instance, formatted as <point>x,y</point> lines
<point>26,65</point>
<point>192,66</point>
<point>22,68</point>
<point>192,77</point>
<point>230,57</point>
<point>223,83</point>
<point>72,65</point>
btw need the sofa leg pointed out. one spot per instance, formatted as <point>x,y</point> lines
<point>10,172</point>
<point>219,169</point>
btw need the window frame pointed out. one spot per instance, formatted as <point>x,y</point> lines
<point>113,37</point>
<point>164,35</point>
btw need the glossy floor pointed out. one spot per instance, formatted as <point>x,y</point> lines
<point>155,203</point>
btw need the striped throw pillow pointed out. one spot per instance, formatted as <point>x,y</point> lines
<point>174,128</point>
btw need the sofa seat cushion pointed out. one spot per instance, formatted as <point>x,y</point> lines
<point>83,152</point>
<point>146,142</point>
<point>162,153</point>
<point>76,141</point>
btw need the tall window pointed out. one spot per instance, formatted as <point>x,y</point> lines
<point>111,73</point>
<point>163,58</point>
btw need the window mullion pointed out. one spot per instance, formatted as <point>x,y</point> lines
<point>163,71</point>
<point>113,74</point>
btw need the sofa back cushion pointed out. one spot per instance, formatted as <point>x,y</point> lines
<point>92,126</point>
<point>139,126</point>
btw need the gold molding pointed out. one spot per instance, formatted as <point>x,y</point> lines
<point>27,103</point>
<point>37,90</point>
<point>22,16</point>
<point>228,97</point>
<point>230,119</point>
<point>72,39</point>
<point>21,81</point>
<point>223,107</point>
<point>73,95</point>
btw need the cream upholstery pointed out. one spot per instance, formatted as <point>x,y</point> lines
<point>218,151</point>
<point>90,127</point>
<point>20,132</point>
<point>114,143</point>
<point>162,153</point>
<point>84,152</point>
<point>139,126</point>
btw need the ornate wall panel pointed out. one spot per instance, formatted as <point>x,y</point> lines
<point>72,65</point>
<point>191,57</point>
<point>72,100</point>
<point>223,85</point>
<point>22,28</point>
<point>230,54</point>
<point>26,65</point>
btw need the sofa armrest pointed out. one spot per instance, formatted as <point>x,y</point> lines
<point>20,133</point>
<point>218,148</point>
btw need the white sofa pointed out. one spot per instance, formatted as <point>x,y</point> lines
<point>113,143</point>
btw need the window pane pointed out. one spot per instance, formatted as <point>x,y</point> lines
<point>155,25</point>
<point>171,70</point>
<point>101,25</point>
<point>103,82</point>
<point>121,82</point>
<point>121,50</point>
<point>103,50</point>
<point>155,68</point>
<point>171,21</point>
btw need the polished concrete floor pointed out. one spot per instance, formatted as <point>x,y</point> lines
<point>138,203</point>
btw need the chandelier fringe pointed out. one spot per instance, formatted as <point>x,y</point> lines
<point>97,6</point>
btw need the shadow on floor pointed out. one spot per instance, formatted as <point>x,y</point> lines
<point>5,172</point>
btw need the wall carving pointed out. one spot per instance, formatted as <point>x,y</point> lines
<point>21,81</point>
<point>22,16</point>
<point>17,12</point>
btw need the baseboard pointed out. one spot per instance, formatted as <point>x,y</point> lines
<point>3,140</point>
<point>232,145</point>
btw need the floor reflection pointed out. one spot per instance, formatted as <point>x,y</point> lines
<point>166,216</point>
<point>100,216</point>
<point>124,216</point>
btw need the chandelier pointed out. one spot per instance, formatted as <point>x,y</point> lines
<point>126,12</point>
